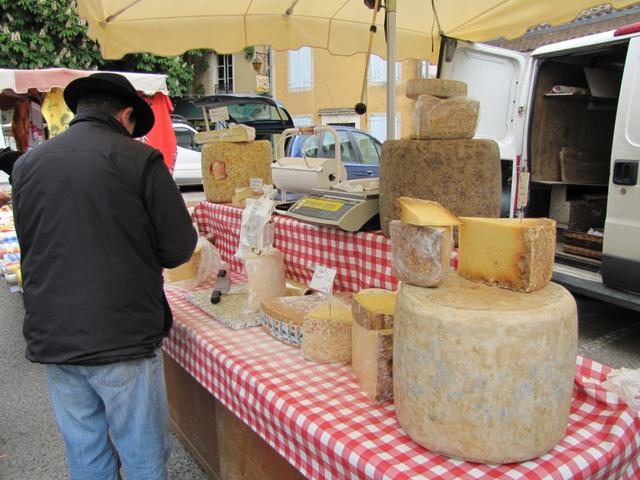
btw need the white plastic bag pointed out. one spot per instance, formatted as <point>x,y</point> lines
<point>626,384</point>
<point>210,263</point>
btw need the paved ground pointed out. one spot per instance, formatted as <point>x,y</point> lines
<point>30,446</point>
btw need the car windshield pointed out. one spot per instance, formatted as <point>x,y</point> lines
<point>254,112</point>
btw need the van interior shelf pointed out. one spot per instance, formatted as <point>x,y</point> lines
<point>558,182</point>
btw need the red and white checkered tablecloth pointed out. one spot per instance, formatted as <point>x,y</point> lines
<point>362,259</point>
<point>319,419</point>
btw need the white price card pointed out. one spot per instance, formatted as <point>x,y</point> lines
<point>218,114</point>
<point>256,184</point>
<point>323,279</point>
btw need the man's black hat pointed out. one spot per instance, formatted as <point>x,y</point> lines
<point>118,86</point>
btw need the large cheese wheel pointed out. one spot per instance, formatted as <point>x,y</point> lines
<point>462,175</point>
<point>483,373</point>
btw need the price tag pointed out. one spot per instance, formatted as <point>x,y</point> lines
<point>256,184</point>
<point>218,114</point>
<point>323,279</point>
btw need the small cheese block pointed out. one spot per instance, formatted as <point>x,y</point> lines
<point>452,118</point>
<point>416,211</point>
<point>507,252</point>
<point>481,373</point>
<point>282,317</point>
<point>372,361</point>
<point>373,308</point>
<point>188,270</point>
<point>420,255</point>
<point>464,175</point>
<point>436,87</point>
<point>238,133</point>
<point>241,194</point>
<point>327,334</point>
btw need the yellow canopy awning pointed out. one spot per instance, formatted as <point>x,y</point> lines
<point>170,27</point>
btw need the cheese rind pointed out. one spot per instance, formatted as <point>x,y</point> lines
<point>282,317</point>
<point>373,308</point>
<point>507,252</point>
<point>453,118</point>
<point>481,373</point>
<point>420,255</point>
<point>327,334</point>
<point>372,354</point>
<point>436,87</point>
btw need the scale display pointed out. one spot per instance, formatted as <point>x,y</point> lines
<point>347,211</point>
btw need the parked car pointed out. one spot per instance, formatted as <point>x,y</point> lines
<point>188,166</point>
<point>359,151</point>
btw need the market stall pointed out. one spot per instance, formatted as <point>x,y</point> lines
<point>317,417</point>
<point>32,101</point>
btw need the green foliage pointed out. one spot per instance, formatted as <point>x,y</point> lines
<point>49,33</point>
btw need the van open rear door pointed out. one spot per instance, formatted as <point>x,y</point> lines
<point>621,248</point>
<point>498,78</point>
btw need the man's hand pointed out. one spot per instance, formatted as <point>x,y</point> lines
<point>4,199</point>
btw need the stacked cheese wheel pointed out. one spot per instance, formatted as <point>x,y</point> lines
<point>480,373</point>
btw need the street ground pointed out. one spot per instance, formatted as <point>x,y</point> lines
<point>31,447</point>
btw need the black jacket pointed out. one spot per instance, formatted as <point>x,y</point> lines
<point>97,216</point>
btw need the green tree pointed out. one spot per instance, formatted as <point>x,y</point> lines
<point>49,33</point>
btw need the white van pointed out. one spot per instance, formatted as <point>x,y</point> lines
<point>567,120</point>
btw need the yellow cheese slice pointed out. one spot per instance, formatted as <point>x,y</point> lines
<point>416,211</point>
<point>373,308</point>
<point>507,252</point>
<point>186,271</point>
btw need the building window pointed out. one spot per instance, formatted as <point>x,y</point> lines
<point>378,126</point>
<point>378,70</point>
<point>301,69</point>
<point>303,121</point>
<point>224,82</point>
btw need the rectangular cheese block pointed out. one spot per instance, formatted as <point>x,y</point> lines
<point>186,271</point>
<point>227,166</point>
<point>373,308</point>
<point>436,87</point>
<point>241,194</point>
<point>239,133</point>
<point>420,255</point>
<point>372,361</point>
<point>452,118</point>
<point>507,252</point>
<point>327,334</point>
<point>463,175</point>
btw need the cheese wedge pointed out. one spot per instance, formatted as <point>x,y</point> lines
<point>186,271</point>
<point>415,211</point>
<point>373,308</point>
<point>507,252</point>
<point>372,365</point>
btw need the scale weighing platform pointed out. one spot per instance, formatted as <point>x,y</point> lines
<point>350,211</point>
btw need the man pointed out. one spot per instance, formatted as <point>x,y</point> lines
<point>97,216</point>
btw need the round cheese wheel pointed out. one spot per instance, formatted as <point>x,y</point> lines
<point>482,373</point>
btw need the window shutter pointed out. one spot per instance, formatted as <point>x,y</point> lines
<point>301,69</point>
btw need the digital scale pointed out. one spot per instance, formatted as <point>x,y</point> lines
<point>350,211</point>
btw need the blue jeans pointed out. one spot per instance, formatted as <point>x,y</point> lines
<point>116,407</point>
